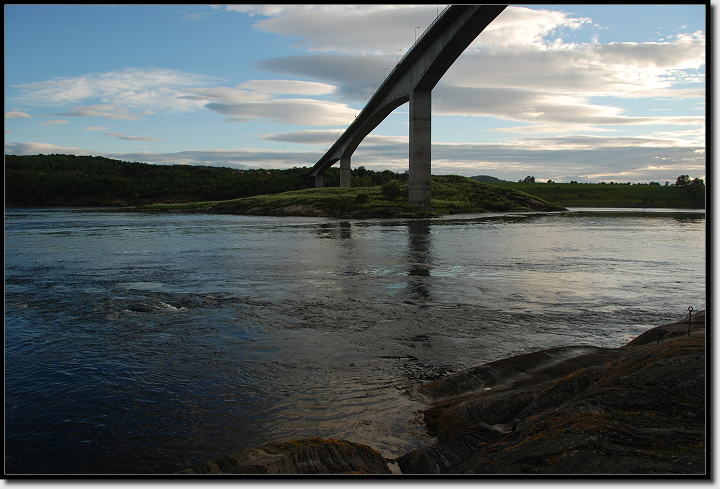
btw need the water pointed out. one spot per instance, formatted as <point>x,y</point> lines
<point>145,343</point>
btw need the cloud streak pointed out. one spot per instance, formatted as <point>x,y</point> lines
<point>491,78</point>
<point>54,122</point>
<point>120,135</point>
<point>107,111</point>
<point>582,158</point>
<point>148,89</point>
<point>16,114</point>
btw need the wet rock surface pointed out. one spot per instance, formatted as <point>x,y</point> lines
<point>309,456</point>
<point>638,409</point>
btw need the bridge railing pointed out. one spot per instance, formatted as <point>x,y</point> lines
<point>407,53</point>
<point>426,31</point>
<point>399,63</point>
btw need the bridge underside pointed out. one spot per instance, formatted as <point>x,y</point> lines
<point>412,80</point>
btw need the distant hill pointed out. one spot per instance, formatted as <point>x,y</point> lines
<point>486,179</point>
<point>59,180</point>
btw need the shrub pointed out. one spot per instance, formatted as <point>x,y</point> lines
<point>391,191</point>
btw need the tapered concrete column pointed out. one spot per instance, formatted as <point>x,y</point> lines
<point>319,181</point>
<point>419,192</point>
<point>345,174</point>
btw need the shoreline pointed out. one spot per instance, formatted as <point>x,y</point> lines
<point>377,212</point>
<point>635,409</point>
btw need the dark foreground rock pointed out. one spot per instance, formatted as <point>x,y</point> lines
<point>310,456</point>
<point>639,409</point>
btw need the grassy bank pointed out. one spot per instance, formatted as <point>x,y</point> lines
<point>606,195</point>
<point>451,195</point>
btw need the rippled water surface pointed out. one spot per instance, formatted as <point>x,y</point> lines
<point>145,343</point>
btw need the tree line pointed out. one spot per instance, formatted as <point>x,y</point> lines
<point>685,192</point>
<point>70,180</point>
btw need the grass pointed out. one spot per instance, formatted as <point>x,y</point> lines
<point>185,206</point>
<point>451,194</point>
<point>605,195</point>
<point>319,201</point>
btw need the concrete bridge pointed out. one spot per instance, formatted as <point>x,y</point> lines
<point>412,80</point>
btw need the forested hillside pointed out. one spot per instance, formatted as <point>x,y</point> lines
<point>93,181</point>
<point>69,180</point>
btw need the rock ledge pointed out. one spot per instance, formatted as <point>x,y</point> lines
<point>638,409</point>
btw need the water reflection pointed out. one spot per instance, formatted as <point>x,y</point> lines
<point>419,258</point>
<point>690,215</point>
<point>334,230</point>
<point>154,348</point>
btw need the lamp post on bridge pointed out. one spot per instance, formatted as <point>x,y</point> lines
<point>418,27</point>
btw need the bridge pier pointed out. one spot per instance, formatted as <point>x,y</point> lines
<point>412,79</point>
<point>419,182</point>
<point>345,174</point>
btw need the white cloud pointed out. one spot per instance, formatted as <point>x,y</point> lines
<point>546,111</point>
<point>377,29</point>
<point>308,112</point>
<point>16,114</point>
<point>619,70</point>
<point>383,29</point>
<point>103,110</point>
<point>519,42</point>
<point>623,71</point>
<point>328,136</point>
<point>523,26</point>
<point>255,100</point>
<point>352,75</point>
<point>120,135</point>
<point>54,122</point>
<point>296,87</point>
<point>196,16</point>
<point>149,89</point>
<point>43,148</point>
<point>225,95</point>
<point>312,136</point>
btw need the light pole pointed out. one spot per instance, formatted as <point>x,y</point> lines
<point>418,27</point>
<point>372,89</point>
<point>384,73</point>
<point>397,56</point>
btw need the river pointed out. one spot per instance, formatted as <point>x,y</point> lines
<point>146,342</point>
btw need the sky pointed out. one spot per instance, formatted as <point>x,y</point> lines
<point>588,93</point>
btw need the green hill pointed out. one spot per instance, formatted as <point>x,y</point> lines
<point>486,179</point>
<point>451,195</point>
<point>613,194</point>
